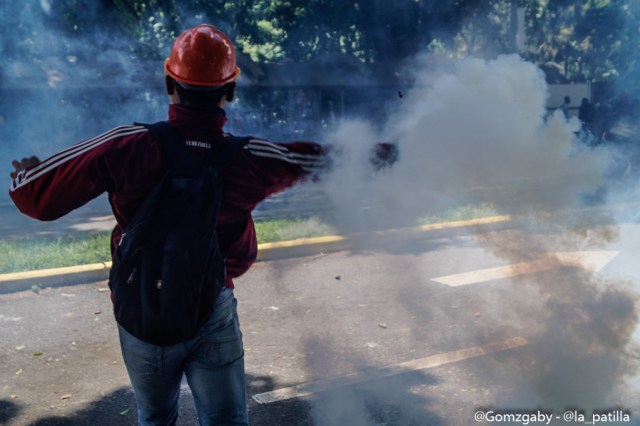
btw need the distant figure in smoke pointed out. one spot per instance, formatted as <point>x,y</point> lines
<point>587,114</point>
<point>565,106</point>
<point>127,162</point>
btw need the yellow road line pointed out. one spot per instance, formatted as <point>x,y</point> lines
<point>490,274</point>
<point>300,242</point>
<point>43,273</point>
<point>263,249</point>
<point>462,223</point>
<point>391,370</point>
<point>592,261</point>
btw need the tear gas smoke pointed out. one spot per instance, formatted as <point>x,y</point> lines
<point>59,88</point>
<point>478,134</point>
<point>582,352</point>
<point>481,134</point>
<point>62,86</point>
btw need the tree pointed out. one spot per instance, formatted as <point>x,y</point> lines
<point>585,39</point>
<point>589,40</point>
<point>298,30</point>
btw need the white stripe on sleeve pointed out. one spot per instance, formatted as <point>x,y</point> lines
<point>74,151</point>
<point>308,162</point>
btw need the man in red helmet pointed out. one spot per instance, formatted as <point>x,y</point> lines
<point>127,162</point>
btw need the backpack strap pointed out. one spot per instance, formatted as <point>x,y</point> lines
<point>229,149</point>
<point>168,137</point>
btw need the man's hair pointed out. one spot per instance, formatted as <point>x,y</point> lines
<point>203,98</point>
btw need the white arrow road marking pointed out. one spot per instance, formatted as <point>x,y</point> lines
<point>592,261</point>
<point>391,370</point>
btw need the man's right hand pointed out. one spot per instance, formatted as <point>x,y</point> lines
<point>384,155</point>
<point>25,163</point>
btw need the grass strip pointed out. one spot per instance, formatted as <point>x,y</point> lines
<point>29,254</point>
<point>273,230</point>
<point>467,212</point>
<point>43,253</point>
<point>78,249</point>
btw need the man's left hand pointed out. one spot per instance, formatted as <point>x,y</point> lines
<point>23,164</point>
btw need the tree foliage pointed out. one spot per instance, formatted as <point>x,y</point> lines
<point>594,40</point>
<point>588,40</point>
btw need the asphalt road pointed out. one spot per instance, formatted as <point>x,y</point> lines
<point>370,337</point>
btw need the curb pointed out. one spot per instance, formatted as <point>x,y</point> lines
<point>19,281</point>
<point>333,243</point>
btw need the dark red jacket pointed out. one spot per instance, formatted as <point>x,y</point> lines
<point>126,162</point>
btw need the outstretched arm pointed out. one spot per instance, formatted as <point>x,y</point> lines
<point>49,189</point>
<point>289,163</point>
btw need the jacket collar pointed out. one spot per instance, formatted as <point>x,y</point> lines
<point>206,121</point>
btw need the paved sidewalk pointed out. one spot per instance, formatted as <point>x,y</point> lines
<point>96,216</point>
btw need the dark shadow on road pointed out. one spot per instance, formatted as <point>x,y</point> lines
<point>118,409</point>
<point>392,401</point>
<point>385,401</point>
<point>8,410</point>
<point>389,401</point>
<point>115,409</point>
<point>294,412</point>
<point>371,397</point>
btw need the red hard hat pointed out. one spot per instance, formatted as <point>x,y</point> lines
<point>202,56</point>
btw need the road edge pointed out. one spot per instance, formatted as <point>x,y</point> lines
<point>37,279</point>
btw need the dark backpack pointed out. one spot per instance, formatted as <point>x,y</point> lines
<point>168,269</point>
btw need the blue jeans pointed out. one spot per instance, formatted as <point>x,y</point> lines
<point>213,362</point>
